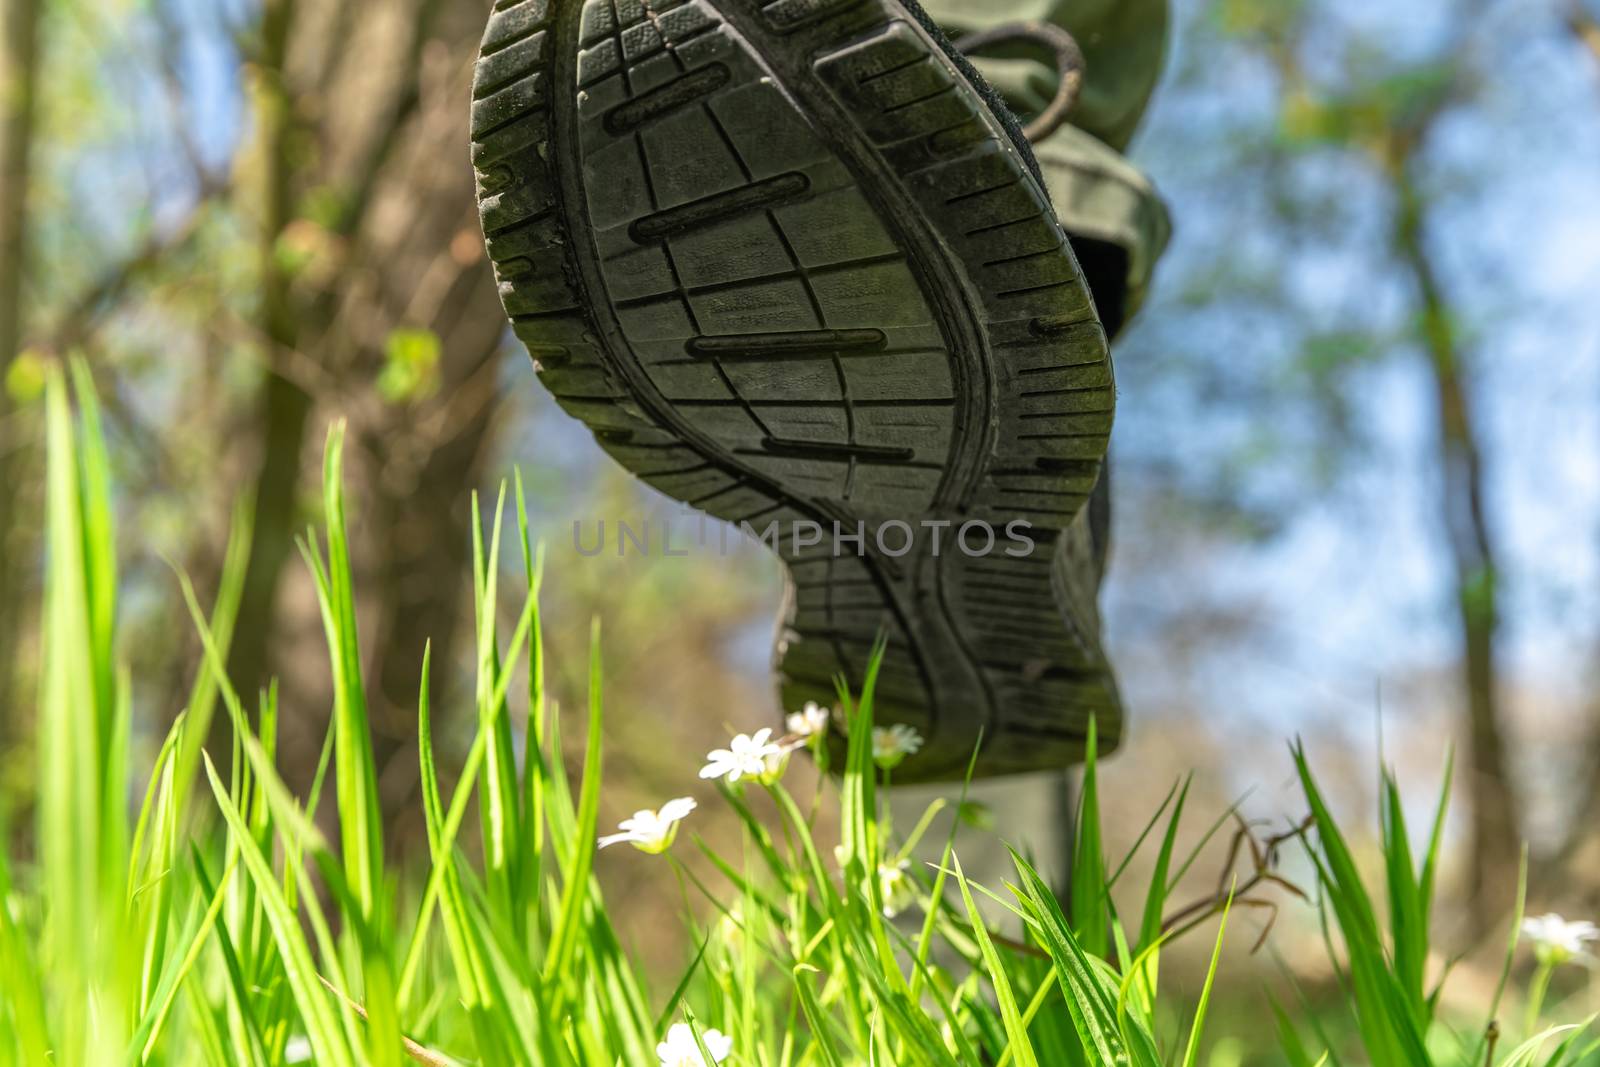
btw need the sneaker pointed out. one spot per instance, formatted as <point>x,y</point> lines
<point>793,264</point>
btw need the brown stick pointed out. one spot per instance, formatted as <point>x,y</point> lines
<point>1264,858</point>
<point>420,1053</point>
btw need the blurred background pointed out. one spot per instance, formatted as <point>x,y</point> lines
<point>1357,457</point>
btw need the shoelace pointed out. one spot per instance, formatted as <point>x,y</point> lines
<point>1069,62</point>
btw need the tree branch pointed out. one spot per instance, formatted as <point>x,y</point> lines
<point>86,313</point>
<point>1585,27</point>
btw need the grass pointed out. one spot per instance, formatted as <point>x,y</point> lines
<point>216,924</point>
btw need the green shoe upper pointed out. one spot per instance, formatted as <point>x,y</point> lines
<point>1124,43</point>
<point>1119,224</point>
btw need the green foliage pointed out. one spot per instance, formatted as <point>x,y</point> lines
<point>410,367</point>
<point>220,926</point>
<point>26,377</point>
<point>1391,1011</point>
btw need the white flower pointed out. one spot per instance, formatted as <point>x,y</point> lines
<point>810,723</point>
<point>680,1049</point>
<point>652,831</point>
<point>745,757</point>
<point>895,888</point>
<point>1555,940</point>
<point>297,1049</point>
<point>774,764</point>
<point>892,744</point>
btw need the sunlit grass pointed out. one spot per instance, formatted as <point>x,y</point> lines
<point>218,925</point>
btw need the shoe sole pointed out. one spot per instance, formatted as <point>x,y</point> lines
<point>790,268</point>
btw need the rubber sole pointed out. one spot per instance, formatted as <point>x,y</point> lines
<point>790,269</point>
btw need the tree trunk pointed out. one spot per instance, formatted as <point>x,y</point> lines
<point>1578,850</point>
<point>1495,821</point>
<point>284,407</point>
<point>284,413</point>
<point>388,111</point>
<point>19,77</point>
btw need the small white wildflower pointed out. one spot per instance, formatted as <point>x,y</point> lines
<point>892,744</point>
<point>680,1049</point>
<point>774,764</point>
<point>652,831</point>
<point>895,888</point>
<point>810,724</point>
<point>1555,940</point>
<point>745,757</point>
<point>297,1049</point>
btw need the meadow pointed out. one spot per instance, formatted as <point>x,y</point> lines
<point>196,910</point>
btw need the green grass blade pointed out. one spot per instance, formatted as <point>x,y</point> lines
<point>1191,1053</point>
<point>1147,977</point>
<point>1388,1024</point>
<point>564,939</point>
<point>453,819</point>
<point>355,776</point>
<point>74,720</point>
<point>1407,915</point>
<point>471,971</point>
<point>1088,1000</point>
<point>1155,900</point>
<point>1087,901</point>
<point>322,1025</point>
<point>498,797</point>
<point>1047,989</point>
<point>143,1046</point>
<point>1293,1049</point>
<point>1018,1044</point>
<point>23,991</point>
<point>1525,1052</point>
<point>535,769</point>
<point>99,548</point>
<point>821,1041</point>
<point>201,707</point>
<point>936,898</point>
<point>232,970</point>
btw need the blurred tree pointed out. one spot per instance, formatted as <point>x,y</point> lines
<point>367,259</point>
<point>257,216</point>
<point>1385,112</point>
<point>1464,517</point>
<point>291,237</point>
<point>19,77</point>
<point>1341,171</point>
<point>1580,849</point>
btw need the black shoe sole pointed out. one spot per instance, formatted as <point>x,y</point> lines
<point>790,268</point>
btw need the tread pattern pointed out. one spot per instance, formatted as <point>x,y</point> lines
<point>787,267</point>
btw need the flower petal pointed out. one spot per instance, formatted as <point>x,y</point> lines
<point>676,810</point>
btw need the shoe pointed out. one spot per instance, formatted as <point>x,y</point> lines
<point>793,264</point>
